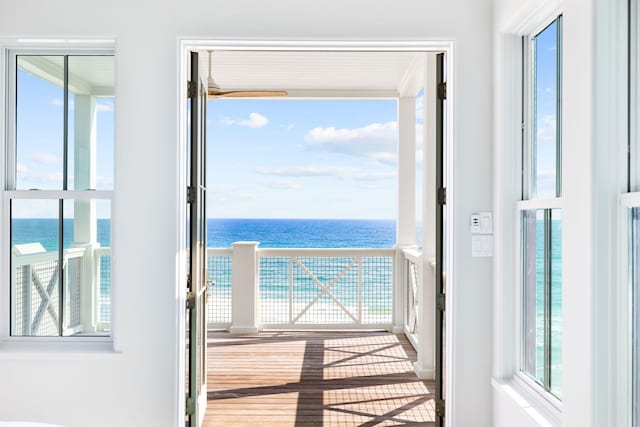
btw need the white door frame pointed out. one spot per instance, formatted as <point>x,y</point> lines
<point>446,46</point>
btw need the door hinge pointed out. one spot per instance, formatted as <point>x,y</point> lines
<point>442,196</point>
<point>441,302</point>
<point>191,300</point>
<point>191,194</point>
<point>440,407</point>
<point>191,406</point>
<point>442,90</point>
<point>192,90</point>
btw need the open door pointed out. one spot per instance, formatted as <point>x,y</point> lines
<point>441,200</point>
<point>197,258</point>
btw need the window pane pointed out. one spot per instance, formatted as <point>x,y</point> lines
<point>87,295</point>
<point>419,166</point>
<point>634,268</point>
<point>39,122</point>
<point>556,302</point>
<point>545,152</point>
<point>533,307</point>
<point>34,268</point>
<point>91,105</point>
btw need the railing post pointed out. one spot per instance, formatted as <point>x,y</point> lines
<point>425,363</point>
<point>399,291</point>
<point>244,284</point>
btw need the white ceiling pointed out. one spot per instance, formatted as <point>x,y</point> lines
<point>313,72</point>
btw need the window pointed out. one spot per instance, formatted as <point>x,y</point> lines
<point>540,211</point>
<point>58,190</point>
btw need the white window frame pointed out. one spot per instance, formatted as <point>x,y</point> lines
<point>547,399</point>
<point>627,318</point>
<point>7,170</point>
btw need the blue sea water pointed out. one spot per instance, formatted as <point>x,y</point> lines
<point>303,233</point>
<point>271,233</point>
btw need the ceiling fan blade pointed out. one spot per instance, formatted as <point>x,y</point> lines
<point>246,93</point>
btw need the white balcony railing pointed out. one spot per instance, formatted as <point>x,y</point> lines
<point>412,281</point>
<point>307,288</point>
<point>36,292</point>
<point>86,282</point>
<point>302,288</point>
<point>326,287</point>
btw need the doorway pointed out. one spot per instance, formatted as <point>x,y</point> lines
<point>444,171</point>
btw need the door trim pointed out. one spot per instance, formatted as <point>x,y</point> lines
<point>445,46</point>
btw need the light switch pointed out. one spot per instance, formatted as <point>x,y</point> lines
<point>475,223</point>
<point>481,223</point>
<point>481,246</point>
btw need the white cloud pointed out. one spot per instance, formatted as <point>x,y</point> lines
<point>21,169</point>
<point>104,107</point>
<point>546,183</point>
<point>420,109</point>
<point>35,180</point>
<point>283,185</point>
<point>311,170</point>
<point>45,158</point>
<point>547,128</point>
<point>232,196</point>
<point>377,141</point>
<point>57,102</point>
<point>255,120</point>
<point>374,176</point>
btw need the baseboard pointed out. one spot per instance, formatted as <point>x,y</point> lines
<point>243,330</point>
<point>424,373</point>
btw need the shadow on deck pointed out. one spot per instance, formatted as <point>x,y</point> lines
<point>315,379</point>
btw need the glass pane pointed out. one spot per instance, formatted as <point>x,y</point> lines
<point>634,269</point>
<point>34,268</point>
<point>91,114</point>
<point>556,302</point>
<point>533,301</point>
<point>545,161</point>
<point>39,122</point>
<point>419,166</point>
<point>87,295</point>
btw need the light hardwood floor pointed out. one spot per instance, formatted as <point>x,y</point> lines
<point>315,379</point>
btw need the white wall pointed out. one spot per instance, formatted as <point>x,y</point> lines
<point>138,387</point>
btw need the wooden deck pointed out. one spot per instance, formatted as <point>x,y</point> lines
<point>315,379</point>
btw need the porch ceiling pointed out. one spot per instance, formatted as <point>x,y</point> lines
<point>314,73</point>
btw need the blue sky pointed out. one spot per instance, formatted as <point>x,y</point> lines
<point>278,158</point>
<point>39,132</point>
<point>302,158</point>
<point>546,96</point>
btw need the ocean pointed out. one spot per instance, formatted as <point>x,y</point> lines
<point>271,233</point>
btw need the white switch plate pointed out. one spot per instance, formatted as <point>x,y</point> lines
<point>481,246</point>
<point>481,223</point>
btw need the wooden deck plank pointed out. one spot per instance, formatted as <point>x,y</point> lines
<point>306,378</point>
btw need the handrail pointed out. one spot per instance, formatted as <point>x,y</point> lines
<point>325,252</point>
<point>412,254</point>
<point>29,259</point>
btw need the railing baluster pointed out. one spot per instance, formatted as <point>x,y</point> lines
<point>291,290</point>
<point>359,290</point>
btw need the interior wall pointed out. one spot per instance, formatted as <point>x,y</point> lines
<point>138,386</point>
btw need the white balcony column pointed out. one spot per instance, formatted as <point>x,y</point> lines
<point>425,364</point>
<point>84,211</point>
<point>406,226</point>
<point>244,288</point>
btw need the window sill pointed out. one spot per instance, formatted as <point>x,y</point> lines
<point>531,401</point>
<point>58,350</point>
